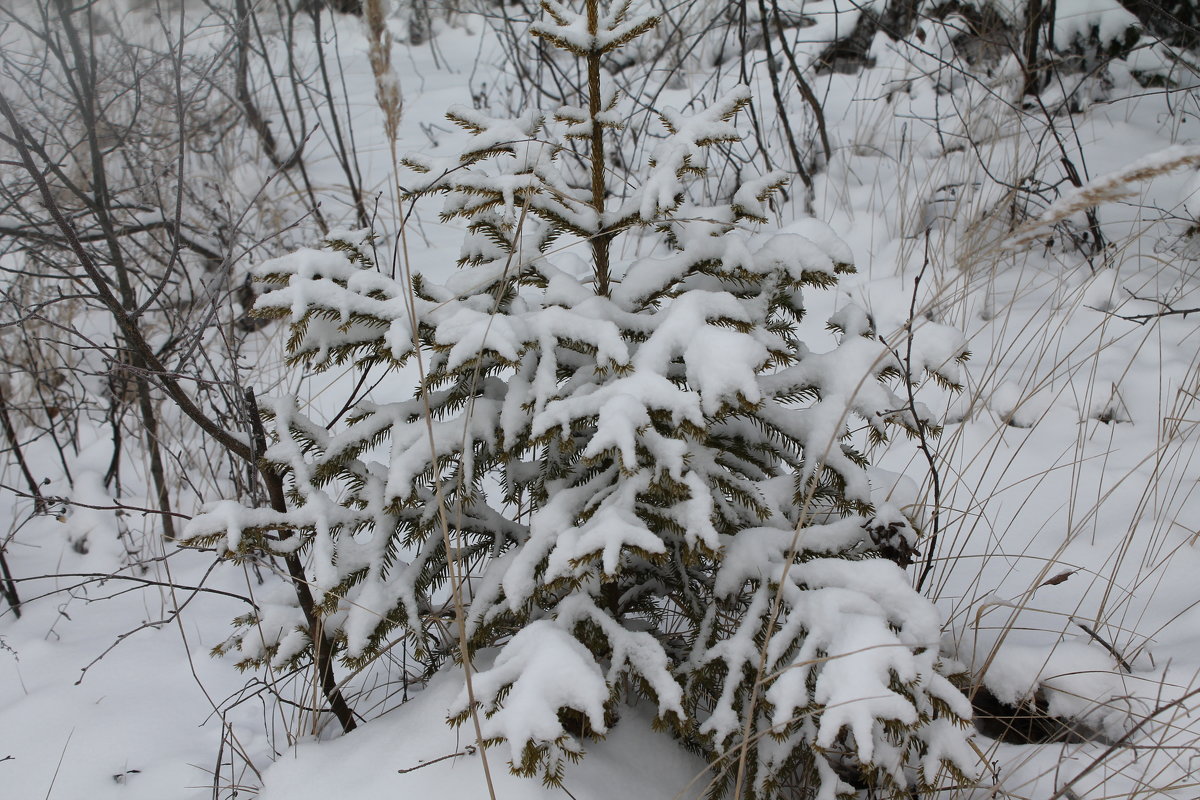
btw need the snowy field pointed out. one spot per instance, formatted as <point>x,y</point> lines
<point>1065,504</point>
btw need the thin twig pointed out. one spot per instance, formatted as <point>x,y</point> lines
<point>469,750</point>
<point>922,432</point>
<point>48,501</point>
<point>58,766</point>
<point>1099,640</point>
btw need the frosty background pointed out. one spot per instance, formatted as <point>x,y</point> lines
<point>394,461</point>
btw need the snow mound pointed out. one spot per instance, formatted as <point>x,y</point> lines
<point>632,761</point>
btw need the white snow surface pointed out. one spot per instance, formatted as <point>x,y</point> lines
<point>1035,485</point>
<point>632,761</point>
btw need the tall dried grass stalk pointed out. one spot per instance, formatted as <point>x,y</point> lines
<point>387,84</point>
<point>390,101</point>
<point>1108,188</point>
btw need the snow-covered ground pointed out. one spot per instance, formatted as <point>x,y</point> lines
<point>1066,562</point>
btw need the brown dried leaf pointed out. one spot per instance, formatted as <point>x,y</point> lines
<point>1059,578</point>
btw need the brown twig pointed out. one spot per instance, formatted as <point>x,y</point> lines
<point>780,106</point>
<point>322,650</point>
<point>49,501</point>
<point>469,750</point>
<point>922,433</point>
<point>1168,310</point>
<point>9,587</point>
<point>1097,638</point>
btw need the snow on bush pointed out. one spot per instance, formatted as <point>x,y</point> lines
<point>637,479</point>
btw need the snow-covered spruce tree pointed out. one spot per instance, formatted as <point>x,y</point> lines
<point>634,472</point>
